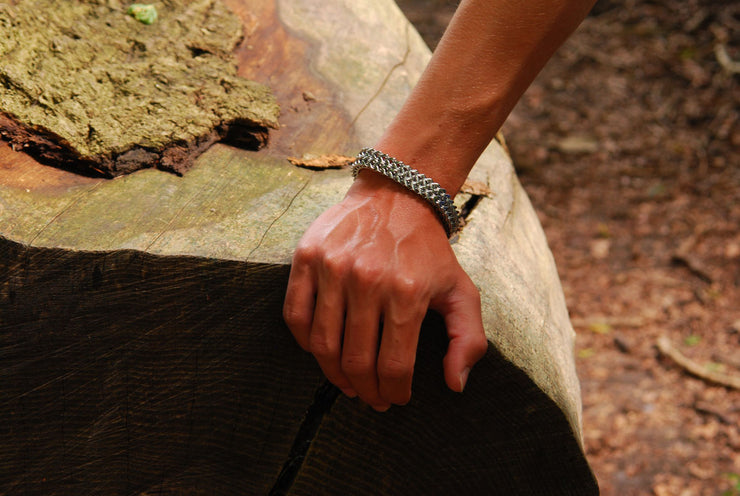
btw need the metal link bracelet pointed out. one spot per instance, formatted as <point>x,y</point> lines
<point>369,158</point>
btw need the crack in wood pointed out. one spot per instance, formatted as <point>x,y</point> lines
<point>324,398</point>
<point>467,209</point>
<point>401,63</point>
<point>177,215</point>
<point>274,221</point>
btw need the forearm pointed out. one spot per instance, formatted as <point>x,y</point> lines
<point>380,258</point>
<point>489,55</point>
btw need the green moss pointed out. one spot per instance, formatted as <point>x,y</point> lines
<point>143,12</point>
<point>105,83</point>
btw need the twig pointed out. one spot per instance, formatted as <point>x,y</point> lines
<point>720,51</point>
<point>694,265</point>
<point>666,348</point>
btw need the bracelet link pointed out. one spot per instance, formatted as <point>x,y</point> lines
<point>415,181</point>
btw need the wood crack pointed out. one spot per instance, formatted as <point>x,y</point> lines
<point>401,63</point>
<point>264,234</point>
<point>324,398</point>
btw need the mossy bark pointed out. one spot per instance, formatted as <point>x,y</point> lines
<point>86,85</point>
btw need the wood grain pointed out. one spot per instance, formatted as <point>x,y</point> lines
<point>125,371</point>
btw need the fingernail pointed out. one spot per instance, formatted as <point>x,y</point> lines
<point>464,378</point>
<point>349,392</point>
<point>381,408</point>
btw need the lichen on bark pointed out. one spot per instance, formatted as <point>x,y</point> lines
<point>84,84</point>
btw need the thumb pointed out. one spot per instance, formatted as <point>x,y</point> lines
<point>461,310</point>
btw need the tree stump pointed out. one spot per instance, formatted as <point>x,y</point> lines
<point>142,349</point>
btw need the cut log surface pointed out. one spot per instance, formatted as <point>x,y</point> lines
<point>142,349</point>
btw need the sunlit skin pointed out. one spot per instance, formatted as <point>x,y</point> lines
<point>367,270</point>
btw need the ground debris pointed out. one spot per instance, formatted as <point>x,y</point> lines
<point>724,59</point>
<point>694,368</point>
<point>322,162</point>
<point>476,188</point>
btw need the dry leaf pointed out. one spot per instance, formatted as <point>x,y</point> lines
<point>330,161</point>
<point>577,144</point>
<point>476,188</point>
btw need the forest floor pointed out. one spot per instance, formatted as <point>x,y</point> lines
<point>628,145</point>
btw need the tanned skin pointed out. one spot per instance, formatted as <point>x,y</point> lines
<point>381,258</point>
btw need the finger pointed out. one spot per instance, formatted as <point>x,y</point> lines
<point>300,299</point>
<point>461,310</point>
<point>397,356</point>
<point>360,348</point>
<point>325,340</point>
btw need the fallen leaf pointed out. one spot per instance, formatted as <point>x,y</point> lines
<point>476,188</point>
<point>577,144</point>
<point>600,248</point>
<point>602,230</point>
<point>586,353</point>
<point>600,327</point>
<point>330,161</point>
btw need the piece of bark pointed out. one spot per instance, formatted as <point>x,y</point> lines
<point>83,85</point>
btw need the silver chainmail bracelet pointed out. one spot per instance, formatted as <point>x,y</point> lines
<point>369,158</point>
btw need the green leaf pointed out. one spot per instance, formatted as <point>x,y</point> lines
<point>692,340</point>
<point>734,479</point>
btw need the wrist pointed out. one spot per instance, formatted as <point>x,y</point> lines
<point>405,209</point>
<point>411,179</point>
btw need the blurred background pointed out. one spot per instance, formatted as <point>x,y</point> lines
<point>628,145</point>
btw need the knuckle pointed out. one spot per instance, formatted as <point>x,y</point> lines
<point>471,291</point>
<point>365,273</point>
<point>292,315</point>
<point>321,347</point>
<point>407,288</point>
<point>357,365</point>
<point>479,344</point>
<point>394,370</point>
<point>403,320</point>
<point>306,254</point>
<point>294,319</point>
<point>335,266</point>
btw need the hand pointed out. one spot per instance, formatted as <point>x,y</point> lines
<point>363,277</point>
